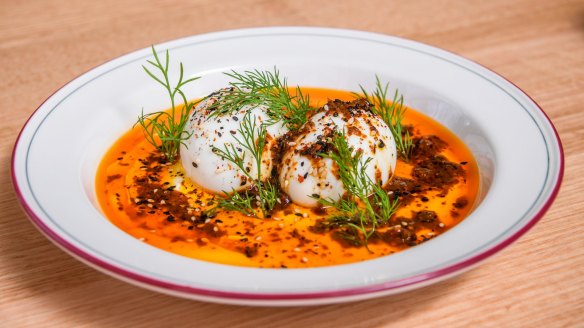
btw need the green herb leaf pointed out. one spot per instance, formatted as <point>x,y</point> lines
<point>392,113</point>
<point>253,139</point>
<point>162,129</point>
<point>366,204</point>
<point>255,88</point>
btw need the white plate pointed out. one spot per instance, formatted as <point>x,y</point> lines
<point>519,154</point>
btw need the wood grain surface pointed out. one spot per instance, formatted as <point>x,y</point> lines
<point>539,45</point>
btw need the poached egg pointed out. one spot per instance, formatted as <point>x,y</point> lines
<point>211,171</point>
<point>305,176</point>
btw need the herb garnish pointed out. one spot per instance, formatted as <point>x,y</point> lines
<point>162,129</point>
<point>392,113</point>
<point>366,204</point>
<point>253,139</point>
<point>256,88</point>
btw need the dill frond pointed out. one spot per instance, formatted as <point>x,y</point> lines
<point>162,129</point>
<point>253,139</point>
<point>392,113</point>
<point>255,88</point>
<point>366,204</point>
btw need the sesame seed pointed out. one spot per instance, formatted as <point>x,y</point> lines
<point>304,259</point>
<point>297,249</point>
<point>205,240</point>
<point>215,229</point>
<point>258,238</point>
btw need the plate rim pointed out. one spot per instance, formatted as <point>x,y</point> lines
<point>193,292</point>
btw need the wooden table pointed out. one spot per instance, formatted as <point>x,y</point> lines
<point>539,45</point>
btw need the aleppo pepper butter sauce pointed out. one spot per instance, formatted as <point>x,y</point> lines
<point>153,201</point>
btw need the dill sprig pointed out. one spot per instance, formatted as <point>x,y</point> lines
<point>235,201</point>
<point>162,129</point>
<point>266,88</point>
<point>392,113</point>
<point>253,139</point>
<point>366,204</point>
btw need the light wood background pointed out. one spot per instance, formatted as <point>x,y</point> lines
<point>539,45</point>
